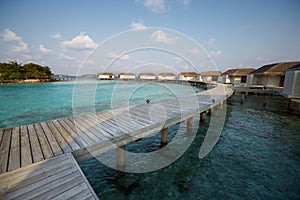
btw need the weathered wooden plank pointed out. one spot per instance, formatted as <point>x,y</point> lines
<point>72,191</point>
<point>45,166</point>
<point>71,142</point>
<point>36,150</point>
<point>33,182</point>
<point>26,157</point>
<point>60,140</point>
<point>1,135</point>
<point>47,152</point>
<point>80,132</point>
<point>85,129</point>
<point>86,121</point>
<point>56,150</point>
<point>52,189</point>
<point>15,152</point>
<point>73,133</point>
<point>4,150</point>
<point>83,194</point>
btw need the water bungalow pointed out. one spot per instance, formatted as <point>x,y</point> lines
<point>147,76</point>
<point>105,76</point>
<point>192,76</point>
<point>210,76</point>
<point>271,76</point>
<point>127,76</point>
<point>236,76</point>
<point>167,76</point>
<point>291,87</point>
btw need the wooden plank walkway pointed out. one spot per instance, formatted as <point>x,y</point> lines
<point>42,142</point>
<point>55,178</point>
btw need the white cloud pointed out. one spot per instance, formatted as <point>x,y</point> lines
<point>138,26</point>
<point>66,57</point>
<point>161,37</point>
<point>80,42</point>
<point>21,48</point>
<point>216,53</point>
<point>8,35</point>
<point>44,50</point>
<point>185,2</point>
<point>212,43</point>
<point>157,6</point>
<point>112,55</point>
<point>194,50</point>
<point>56,36</point>
<point>260,59</point>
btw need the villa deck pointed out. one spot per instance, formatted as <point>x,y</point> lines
<point>39,149</point>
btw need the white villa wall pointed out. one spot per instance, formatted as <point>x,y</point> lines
<point>146,77</point>
<point>127,77</point>
<point>166,77</point>
<point>292,83</point>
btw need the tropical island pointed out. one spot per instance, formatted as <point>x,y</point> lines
<point>14,72</point>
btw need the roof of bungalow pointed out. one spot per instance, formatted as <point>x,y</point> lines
<point>211,73</point>
<point>294,68</point>
<point>188,74</point>
<point>275,68</point>
<point>239,71</point>
<point>128,74</point>
<point>167,74</point>
<point>147,74</point>
<point>106,73</point>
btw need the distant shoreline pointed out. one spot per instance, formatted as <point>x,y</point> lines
<point>26,81</point>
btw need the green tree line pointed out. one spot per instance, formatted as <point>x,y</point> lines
<point>15,71</point>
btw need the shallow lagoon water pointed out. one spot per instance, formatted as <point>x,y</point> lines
<point>256,157</point>
<point>30,103</point>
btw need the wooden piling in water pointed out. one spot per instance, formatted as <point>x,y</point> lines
<point>164,136</point>
<point>202,117</point>
<point>190,122</point>
<point>242,98</point>
<point>121,156</point>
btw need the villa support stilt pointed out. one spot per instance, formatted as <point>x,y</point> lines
<point>190,123</point>
<point>202,117</point>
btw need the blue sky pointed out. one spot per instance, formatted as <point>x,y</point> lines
<point>62,34</point>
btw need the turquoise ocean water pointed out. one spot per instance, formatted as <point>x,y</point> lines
<point>256,157</point>
<point>30,103</point>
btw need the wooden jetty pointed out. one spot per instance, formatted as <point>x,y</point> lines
<point>34,153</point>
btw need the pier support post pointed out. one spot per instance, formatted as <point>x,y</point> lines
<point>210,111</point>
<point>202,117</point>
<point>265,100</point>
<point>190,122</point>
<point>242,98</point>
<point>121,156</point>
<point>221,104</point>
<point>164,136</point>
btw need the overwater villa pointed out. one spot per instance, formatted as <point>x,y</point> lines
<point>292,82</point>
<point>210,76</point>
<point>167,76</point>
<point>272,75</point>
<point>193,76</point>
<point>236,76</point>
<point>147,76</point>
<point>127,76</point>
<point>105,76</point>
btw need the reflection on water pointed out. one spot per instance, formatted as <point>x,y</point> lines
<point>256,157</point>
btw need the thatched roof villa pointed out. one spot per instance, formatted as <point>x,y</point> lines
<point>105,76</point>
<point>147,76</point>
<point>126,76</point>
<point>272,75</point>
<point>236,76</point>
<point>193,76</point>
<point>291,87</point>
<point>167,76</point>
<point>210,76</point>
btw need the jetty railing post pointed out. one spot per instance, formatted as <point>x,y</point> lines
<point>121,157</point>
<point>164,136</point>
<point>190,122</point>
